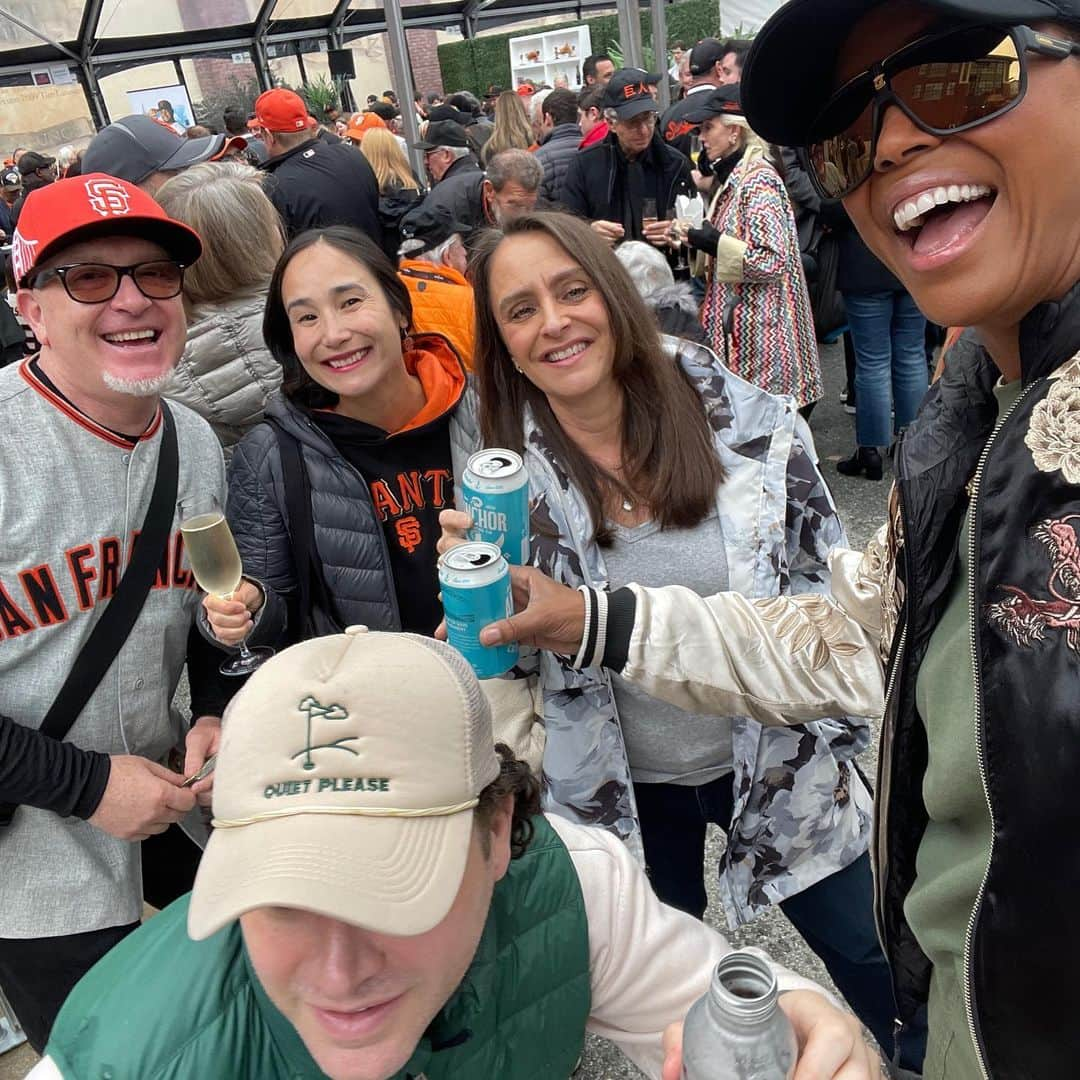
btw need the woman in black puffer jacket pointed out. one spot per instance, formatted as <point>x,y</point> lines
<point>334,498</point>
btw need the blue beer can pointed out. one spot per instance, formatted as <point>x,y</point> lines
<point>495,492</point>
<point>475,583</point>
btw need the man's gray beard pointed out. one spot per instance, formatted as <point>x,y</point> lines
<point>151,387</point>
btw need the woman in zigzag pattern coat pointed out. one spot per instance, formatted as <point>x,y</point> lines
<point>757,310</point>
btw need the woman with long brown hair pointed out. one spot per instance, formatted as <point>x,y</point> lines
<point>512,128</point>
<point>649,462</point>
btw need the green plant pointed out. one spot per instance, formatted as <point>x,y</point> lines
<point>239,94</point>
<point>320,95</point>
<point>475,63</point>
<point>614,50</point>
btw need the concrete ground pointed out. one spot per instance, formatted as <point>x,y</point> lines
<point>862,505</point>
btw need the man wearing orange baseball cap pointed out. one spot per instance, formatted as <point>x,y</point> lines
<point>314,182</point>
<point>382,898</point>
<point>87,447</point>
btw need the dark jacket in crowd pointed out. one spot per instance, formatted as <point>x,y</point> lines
<point>320,183</point>
<point>603,185</point>
<point>461,191</point>
<point>1025,586</point>
<point>7,224</point>
<point>805,201</point>
<point>555,154</point>
<point>31,182</point>
<point>858,270</point>
<point>394,203</point>
<point>674,129</point>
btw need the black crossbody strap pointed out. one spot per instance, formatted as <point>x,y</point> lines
<point>112,628</point>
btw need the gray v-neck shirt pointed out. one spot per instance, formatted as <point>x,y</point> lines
<point>664,743</point>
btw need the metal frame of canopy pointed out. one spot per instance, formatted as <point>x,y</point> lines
<point>90,56</point>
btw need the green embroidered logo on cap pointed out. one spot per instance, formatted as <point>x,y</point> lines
<point>314,709</point>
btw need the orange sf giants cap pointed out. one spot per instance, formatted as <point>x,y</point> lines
<point>69,211</point>
<point>280,110</point>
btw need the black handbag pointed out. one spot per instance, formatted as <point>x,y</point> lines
<point>316,613</point>
<point>120,615</point>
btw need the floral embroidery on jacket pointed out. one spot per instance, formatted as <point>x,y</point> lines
<point>1053,435</point>
<point>809,620</point>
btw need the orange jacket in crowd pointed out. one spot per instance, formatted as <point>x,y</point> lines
<point>442,302</point>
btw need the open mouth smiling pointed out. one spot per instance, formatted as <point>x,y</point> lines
<point>568,352</point>
<point>129,338</point>
<point>940,216</point>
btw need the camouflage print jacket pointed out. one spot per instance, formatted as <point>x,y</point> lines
<point>801,811</point>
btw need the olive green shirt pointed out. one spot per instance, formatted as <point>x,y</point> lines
<point>955,848</point>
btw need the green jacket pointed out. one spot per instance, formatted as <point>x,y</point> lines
<point>162,1006</point>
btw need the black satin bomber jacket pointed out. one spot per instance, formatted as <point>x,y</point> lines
<point>1023,940</point>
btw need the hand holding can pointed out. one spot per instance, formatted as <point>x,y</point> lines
<point>475,583</point>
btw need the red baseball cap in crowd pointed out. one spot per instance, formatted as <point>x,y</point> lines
<point>69,211</point>
<point>280,110</point>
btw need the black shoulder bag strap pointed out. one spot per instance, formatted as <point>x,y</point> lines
<point>112,629</point>
<point>312,592</point>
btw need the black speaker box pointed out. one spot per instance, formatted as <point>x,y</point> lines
<point>341,64</point>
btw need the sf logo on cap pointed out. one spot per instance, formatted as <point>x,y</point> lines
<point>22,256</point>
<point>107,197</point>
<point>315,710</point>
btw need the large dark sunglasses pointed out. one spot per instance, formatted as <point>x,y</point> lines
<point>944,83</point>
<point>94,283</point>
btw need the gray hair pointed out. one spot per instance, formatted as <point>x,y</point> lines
<point>65,156</point>
<point>517,165</point>
<point>647,267</point>
<point>438,253</point>
<point>536,102</point>
<point>456,152</point>
<point>225,203</point>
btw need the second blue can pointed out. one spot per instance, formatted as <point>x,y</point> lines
<point>495,492</point>
<point>475,583</point>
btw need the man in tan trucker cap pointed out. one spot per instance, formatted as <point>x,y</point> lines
<point>381,897</point>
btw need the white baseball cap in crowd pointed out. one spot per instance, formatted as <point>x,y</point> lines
<point>346,780</point>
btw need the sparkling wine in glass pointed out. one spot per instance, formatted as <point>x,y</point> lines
<point>216,565</point>
<point>695,148</point>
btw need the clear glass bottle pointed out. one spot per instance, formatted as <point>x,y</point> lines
<point>737,1031</point>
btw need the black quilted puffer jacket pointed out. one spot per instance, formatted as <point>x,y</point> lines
<point>348,535</point>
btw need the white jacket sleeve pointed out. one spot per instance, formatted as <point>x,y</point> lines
<point>649,962</point>
<point>781,660</point>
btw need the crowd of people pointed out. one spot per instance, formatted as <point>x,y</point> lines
<point>286,321</point>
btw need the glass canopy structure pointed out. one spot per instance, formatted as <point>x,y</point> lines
<point>86,41</point>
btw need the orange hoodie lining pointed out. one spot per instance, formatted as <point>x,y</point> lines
<point>441,375</point>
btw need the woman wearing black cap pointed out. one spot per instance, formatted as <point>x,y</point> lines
<point>949,129</point>
<point>756,311</point>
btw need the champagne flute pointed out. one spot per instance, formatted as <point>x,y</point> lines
<point>676,237</point>
<point>695,148</point>
<point>215,562</point>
